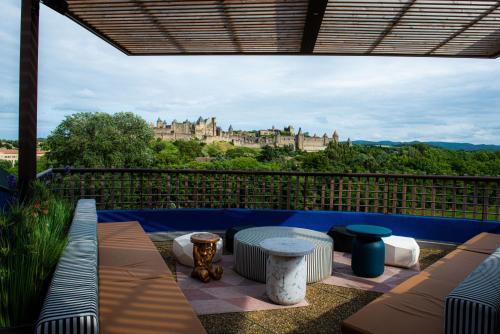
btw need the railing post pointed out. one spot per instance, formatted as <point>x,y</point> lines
<point>433,198</point>
<point>358,194</point>
<point>332,192</point>
<point>141,190</point>
<point>403,199</point>
<point>485,202</point>
<point>395,195</point>
<point>376,192</point>
<point>367,194</point>
<point>386,194</point>
<point>305,193</point>
<point>474,209</point>
<point>341,190</point>
<point>349,193</point>
<point>102,199</point>
<point>238,195</point>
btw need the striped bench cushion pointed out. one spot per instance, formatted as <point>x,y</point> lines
<point>474,305</point>
<point>71,304</point>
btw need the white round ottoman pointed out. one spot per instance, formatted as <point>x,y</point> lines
<point>250,260</point>
<point>286,271</point>
<point>401,251</point>
<point>183,249</point>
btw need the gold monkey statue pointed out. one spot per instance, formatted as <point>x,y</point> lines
<point>204,248</point>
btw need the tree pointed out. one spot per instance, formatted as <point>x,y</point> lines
<point>5,165</point>
<point>269,153</point>
<point>189,149</point>
<point>168,156</point>
<point>241,151</point>
<point>101,140</point>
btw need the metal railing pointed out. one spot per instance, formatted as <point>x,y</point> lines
<point>427,195</point>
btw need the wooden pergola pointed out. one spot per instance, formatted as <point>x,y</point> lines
<point>423,28</point>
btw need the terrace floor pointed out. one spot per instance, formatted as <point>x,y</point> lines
<point>328,306</point>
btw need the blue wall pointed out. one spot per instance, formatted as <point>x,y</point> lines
<point>425,228</point>
<point>5,199</point>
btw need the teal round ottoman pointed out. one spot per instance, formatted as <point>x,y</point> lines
<point>368,250</point>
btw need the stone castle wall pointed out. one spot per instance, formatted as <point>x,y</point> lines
<point>208,132</point>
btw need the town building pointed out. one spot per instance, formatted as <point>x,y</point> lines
<point>12,155</point>
<point>207,131</point>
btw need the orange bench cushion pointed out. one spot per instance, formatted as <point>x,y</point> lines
<point>417,305</point>
<point>137,291</point>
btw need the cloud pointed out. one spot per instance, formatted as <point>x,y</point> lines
<point>70,108</point>
<point>361,97</point>
<point>85,93</point>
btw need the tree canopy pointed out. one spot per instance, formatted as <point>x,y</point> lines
<point>125,140</point>
<point>101,140</point>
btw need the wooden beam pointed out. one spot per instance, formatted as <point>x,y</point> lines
<point>28,86</point>
<point>314,18</point>
<point>160,27</point>
<point>228,22</point>
<point>391,26</point>
<point>476,20</point>
<point>496,54</point>
<point>60,6</point>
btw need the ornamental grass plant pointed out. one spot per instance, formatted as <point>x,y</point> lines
<point>33,235</point>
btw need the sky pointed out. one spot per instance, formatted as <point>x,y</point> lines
<point>370,98</point>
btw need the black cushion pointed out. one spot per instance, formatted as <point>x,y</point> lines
<point>230,235</point>
<point>342,240</point>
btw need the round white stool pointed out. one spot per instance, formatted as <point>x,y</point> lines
<point>286,271</point>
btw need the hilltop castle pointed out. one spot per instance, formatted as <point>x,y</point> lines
<point>207,131</point>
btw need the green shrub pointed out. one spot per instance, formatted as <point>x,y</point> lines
<point>32,238</point>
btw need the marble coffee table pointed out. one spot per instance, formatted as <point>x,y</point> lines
<point>250,259</point>
<point>286,271</point>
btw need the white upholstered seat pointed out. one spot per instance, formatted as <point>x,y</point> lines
<point>401,251</point>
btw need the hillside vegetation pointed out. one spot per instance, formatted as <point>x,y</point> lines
<point>125,140</point>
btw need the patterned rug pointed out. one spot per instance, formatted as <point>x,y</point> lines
<point>343,275</point>
<point>233,293</point>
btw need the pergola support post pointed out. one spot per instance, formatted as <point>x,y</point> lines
<point>28,86</point>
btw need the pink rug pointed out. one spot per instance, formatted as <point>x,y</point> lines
<point>343,276</point>
<point>233,293</point>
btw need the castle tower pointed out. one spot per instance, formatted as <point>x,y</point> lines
<point>291,130</point>
<point>325,139</point>
<point>299,140</point>
<point>335,137</point>
<point>213,127</point>
<point>158,123</point>
<point>230,129</point>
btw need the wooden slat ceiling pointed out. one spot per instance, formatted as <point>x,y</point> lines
<point>448,28</point>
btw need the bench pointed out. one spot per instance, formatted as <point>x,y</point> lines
<point>71,302</point>
<point>418,305</point>
<point>137,291</point>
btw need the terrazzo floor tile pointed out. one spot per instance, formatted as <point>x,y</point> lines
<point>232,293</point>
<point>343,276</point>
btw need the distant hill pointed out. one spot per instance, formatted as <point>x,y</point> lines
<point>441,144</point>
